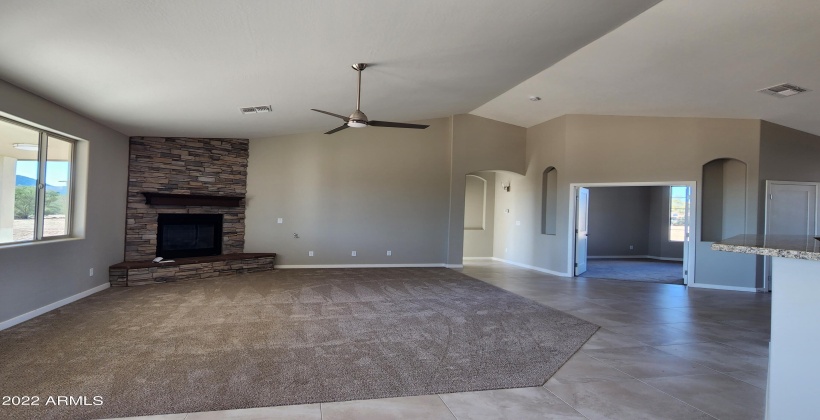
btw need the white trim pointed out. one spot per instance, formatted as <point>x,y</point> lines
<point>719,287</point>
<point>477,258</point>
<point>453,265</point>
<point>532,267</point>
<point>626,257</point>
<point>691,221</point>
<point>52,306</point>
<point>361,265</point>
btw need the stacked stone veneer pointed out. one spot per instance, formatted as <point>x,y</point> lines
<point>184,166</point>
<point>161,273</point>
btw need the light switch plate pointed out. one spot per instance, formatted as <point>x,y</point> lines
<point>279,220</point>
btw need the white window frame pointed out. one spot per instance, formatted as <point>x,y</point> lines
<point>39,202</point>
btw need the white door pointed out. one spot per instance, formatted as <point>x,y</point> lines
<point>791,209</point>
<point>687,215</point>
<point>581,229</point>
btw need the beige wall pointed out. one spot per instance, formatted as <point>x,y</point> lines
<point>611,149</point>
<point>36,275</point>
<point>523,242</point>
<point>366,190</point>
<point>478,144</point>
<point>478,243</point>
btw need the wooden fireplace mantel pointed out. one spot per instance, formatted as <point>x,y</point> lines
<point>163,199</point>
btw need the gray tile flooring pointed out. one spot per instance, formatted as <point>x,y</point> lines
<point>663,352</point>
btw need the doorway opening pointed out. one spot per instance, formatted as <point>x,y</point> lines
<point>632,231</point>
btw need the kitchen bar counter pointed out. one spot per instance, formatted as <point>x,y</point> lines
<point>794,367</point>
<point>786,246</point>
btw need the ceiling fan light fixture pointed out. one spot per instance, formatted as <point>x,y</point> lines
<point>356,124</point>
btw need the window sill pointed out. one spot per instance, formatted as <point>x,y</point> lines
<point>10,245</point>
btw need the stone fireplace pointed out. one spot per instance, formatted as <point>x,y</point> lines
<point>184,167</point>
<point>186,201</point>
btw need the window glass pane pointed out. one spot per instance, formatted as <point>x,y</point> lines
<point>58,181</point>
<point>677,213</point>
<point>18,181</point>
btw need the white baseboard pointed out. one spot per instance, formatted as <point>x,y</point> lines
<point>362,265</point>
<point>598,257</point>
<point>720,287</point>
<point>50,307</point>
<point>477,258</point>
<point>453,265</point>
<point>532,267</point>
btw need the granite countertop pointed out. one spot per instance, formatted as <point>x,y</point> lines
<point>786,246</point>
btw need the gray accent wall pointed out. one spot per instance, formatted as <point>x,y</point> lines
<point>618,218</point>
<point>36,275</point>
<point>786,154</point>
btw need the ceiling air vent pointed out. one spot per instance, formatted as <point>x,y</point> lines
<point>256,109</point>
<point>783,90</point>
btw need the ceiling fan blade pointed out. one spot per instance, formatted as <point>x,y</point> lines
<point>339,128</point>
<point>331,114</point>
<point>395,124</point>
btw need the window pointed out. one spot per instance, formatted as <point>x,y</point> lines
<point>36,169</point>
<point>678,206</point>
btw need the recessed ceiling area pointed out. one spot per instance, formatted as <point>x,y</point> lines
<point>185,67</point>
<point>685,58</point>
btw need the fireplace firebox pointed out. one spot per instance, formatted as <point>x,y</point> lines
<point>189,235</point>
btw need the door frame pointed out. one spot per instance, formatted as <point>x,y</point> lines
<point>767,261</point>
<point>691,222</point>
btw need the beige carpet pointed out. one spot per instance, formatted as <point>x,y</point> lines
<point>282,337</point>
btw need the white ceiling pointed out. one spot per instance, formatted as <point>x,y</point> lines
<point>700,58</point>
<point>184,67</point>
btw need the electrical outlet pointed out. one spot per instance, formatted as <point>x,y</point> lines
<point>518,223</point>
<point>91,272</point>
<point>389,253</point>
<point>353,254</point>
<point>631,247</point>
<point>279,220</point>
<point>310,253</point>
<point>505,250</point>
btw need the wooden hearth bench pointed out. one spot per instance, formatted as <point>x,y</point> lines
<point>133,273</point>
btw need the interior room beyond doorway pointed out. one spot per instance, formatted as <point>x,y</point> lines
<point>637,233</point>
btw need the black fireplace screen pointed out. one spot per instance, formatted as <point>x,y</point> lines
<point>189,235</point>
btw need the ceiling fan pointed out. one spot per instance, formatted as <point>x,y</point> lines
<point>357,119</point>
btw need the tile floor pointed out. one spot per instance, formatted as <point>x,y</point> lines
<point>663,352</point>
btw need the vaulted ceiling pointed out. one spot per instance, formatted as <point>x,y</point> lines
<point>185,67</point>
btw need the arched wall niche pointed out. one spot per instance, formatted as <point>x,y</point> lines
<point>475,203</point>
<point>723,201</point>
<point>549,201</point>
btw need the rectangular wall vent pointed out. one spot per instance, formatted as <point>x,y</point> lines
<point>256,109</point>
<point>783,90</point>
